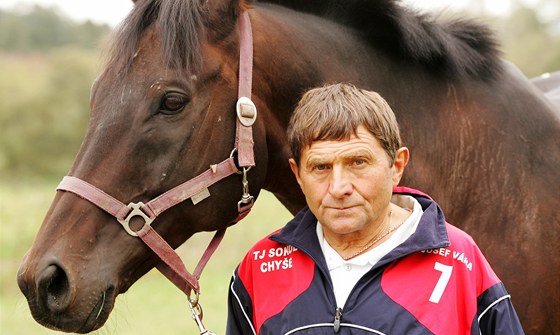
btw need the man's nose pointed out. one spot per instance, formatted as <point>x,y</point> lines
<point>341,182</point>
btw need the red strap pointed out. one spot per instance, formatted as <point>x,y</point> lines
<point>172,266</point>
<point>244,134</point>
<point>212,246</point>
<point>156,206</point>
<point>191,187</point>
<point>245,56</point>
<point>94,195</point>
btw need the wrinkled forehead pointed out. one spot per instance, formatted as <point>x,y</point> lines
<point>329,132</point>
<point>360,137</point>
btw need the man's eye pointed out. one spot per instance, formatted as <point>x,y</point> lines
<point>320,167</point>
<point>359,162</point>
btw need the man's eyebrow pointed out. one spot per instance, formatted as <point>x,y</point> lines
<point>357,153</point>
<point>315,160</point>
<point>350,155</point>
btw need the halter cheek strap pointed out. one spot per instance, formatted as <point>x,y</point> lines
<point>172,266</point>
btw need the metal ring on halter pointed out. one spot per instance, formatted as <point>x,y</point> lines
<point>196,297</point>
<point>239,171</point>
<point>196,311</point>
<point>136,210</point>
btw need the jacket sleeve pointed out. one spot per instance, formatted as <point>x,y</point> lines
<point>500,317</point>
<point>240,314</point>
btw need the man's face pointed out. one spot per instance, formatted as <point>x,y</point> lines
<point>348,184</point>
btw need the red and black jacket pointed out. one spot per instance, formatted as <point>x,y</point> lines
<point>436,282</point>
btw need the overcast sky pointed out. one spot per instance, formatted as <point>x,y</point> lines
<point>113,11</point>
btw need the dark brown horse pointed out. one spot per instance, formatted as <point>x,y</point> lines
<point>485,142</point>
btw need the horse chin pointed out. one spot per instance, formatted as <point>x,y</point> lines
<point>100,312</point>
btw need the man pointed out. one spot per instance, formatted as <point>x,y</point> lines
<point>365,256</point>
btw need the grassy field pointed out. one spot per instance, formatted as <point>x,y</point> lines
<point>152,305</point>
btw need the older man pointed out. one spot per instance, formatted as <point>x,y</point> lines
<point>365,256</point>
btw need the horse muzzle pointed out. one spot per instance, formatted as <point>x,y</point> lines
<point>55,301</point>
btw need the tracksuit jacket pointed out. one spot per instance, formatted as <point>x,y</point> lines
<point>435,282</point>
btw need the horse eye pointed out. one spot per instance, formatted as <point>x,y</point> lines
<point>172,103</point>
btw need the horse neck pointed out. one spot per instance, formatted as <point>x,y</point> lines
<point>284,67</point>
<point>295,51</point>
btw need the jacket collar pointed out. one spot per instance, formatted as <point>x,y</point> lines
<point>430,234</point>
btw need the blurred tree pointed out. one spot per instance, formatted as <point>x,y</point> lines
<point>89,35</point>
<point>43,29</point>
<point>529,35</point>
<point>530,42</point>
<point>47,68</point>
<point>44,125</point>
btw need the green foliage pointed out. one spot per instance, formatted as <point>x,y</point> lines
<point>529,42</point>
<point>43,29</point>
<point>44,110</point>
<point>47,64</point>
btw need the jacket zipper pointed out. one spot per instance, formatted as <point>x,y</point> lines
<point>337,316</point>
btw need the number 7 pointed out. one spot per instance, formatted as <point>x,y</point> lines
<point>446,271</point>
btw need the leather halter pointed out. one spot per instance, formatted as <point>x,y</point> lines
<point>196,188</point>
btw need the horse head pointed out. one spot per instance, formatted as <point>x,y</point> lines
<point>162,112</point>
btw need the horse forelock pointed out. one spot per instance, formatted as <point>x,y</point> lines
<point>456,47</point>
<point>183,26</point>
<point>180,26</point>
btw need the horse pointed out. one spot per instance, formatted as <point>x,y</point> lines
<point>484,140</point>
<point>549,83</point>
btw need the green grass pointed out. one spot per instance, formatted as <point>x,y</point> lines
<point>153,305</point>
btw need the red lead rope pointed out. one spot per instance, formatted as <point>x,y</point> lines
<point>171,265</point>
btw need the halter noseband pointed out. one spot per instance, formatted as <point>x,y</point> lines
<point>195,189</point>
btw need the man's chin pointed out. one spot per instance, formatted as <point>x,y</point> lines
<point>342,224</point>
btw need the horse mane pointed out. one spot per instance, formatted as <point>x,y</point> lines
<point>452,47</point>
<point>449,47</point>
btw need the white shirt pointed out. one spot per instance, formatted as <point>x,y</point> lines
<point>345,274</point>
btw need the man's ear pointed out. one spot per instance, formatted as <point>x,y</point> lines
<point>401,160</point>
<point>295,170</point>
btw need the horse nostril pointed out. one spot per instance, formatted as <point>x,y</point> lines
<point>54,288</point>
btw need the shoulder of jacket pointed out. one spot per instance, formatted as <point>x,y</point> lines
<point>263,243</point>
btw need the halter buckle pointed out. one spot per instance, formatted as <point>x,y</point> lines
<point>136,210</point>
<point>246,111</point>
